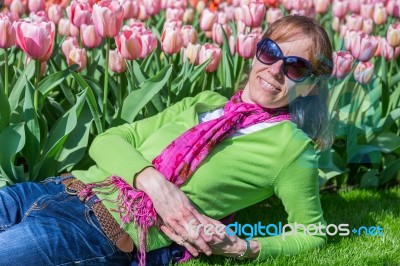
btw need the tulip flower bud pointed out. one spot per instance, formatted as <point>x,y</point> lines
<point>380,14</point>
<point>393,34</point>
<point>208,51</point>
<point>129,44</point>
<point>336,24</point>
<point>246,45</point>
<point>174,13</point>
<point>354,22</point>
<point>36,5</point>
<point>273,14</point>
<point>36,39</point>
<point>89,36</point>
<point>149,42</point>
<point>7,32</point>
<point>390,4</point>
<point>108,16</point>
<point>342,62</point>
<point>355,6</point>
<point>17,7</point>
<point>339,8</point>
<point>363,47</point>
<point>321,6</point>
<point>348,37</point>
<point>189,15</point>
<point>131,9</point>
<point>77,56</point>
<point>389,52</point>
<point>173,23</point>
<point>207,20</point>
<point>68,44</point>
<point>55,13</point>
<point>367,10</point>
<point>364,72</point>
<point>189,34</point>
<point>171,40</point>
<point>253,14</point>
<point>218,32</point>
<point>81,13</point>
<point>191,53</point>
<point>73,30</point>
<point>368,26</point>
<point>116,62</point>
<point>152,7</point>
<point>232,45</point>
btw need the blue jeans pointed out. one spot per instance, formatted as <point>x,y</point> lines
<point>40,224</point>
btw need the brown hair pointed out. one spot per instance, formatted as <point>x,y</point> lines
<point>310,113</point>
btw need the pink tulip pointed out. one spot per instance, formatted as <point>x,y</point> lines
<point>68,44</point>
<point>7,3</point>
<point>378,51</point>
<point>149,42</point>
<point>39,16</point>
<point>143,15</point>
<point>321,6</point>
<point>173,23</point>
<point>380,15</point>
<point>188,16</point>
<point>174,13</point>
<point>342,62</point>
<point>364,72</point>
<point>131,9</point>
<point>368,26</point>
<point>129,44</point>
<point>354,22</point>
<point>389,52</point>
<point>116,62</point>
<point>208,51</point>
<point>191,53</point>
<point>63,27</point>
<point>218,32</point>
<point>55,13</point>
<point>246,45</point>
<point>7,32</point>
<point>81,13</point>
<point>36,5</point>
<point>348,38</point>
<point>108,16</point>
<point>36,39</point>
<point>339,8</point>
<point>17,7</point>
<point>77,56</point>
<point>189,34</point>
<point>301,4</point>
<point>253,14</point>
<point>273,14</point>
<point>221,18</point>
<point>390,4</point>
<point>355,6</point>
<point>363,47</point>
<point>200,7</point>
<point>171,40</point>
<point>367,10</point>
<point>207,20</point>
<point>393,34</point>
<point>89,36</point>
<point>152,7</point>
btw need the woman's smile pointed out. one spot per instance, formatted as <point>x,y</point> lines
<point>268,86</point>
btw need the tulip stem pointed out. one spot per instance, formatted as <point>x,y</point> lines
<point>105,95</point>
<point>6,89</point>
<point>36,92</point>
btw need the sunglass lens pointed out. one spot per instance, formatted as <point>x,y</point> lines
<point>296,68</point>
<point>268,54</point>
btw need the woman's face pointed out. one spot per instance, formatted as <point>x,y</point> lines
<point>269,87</point>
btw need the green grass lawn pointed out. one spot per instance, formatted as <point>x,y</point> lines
<point>357,208</point>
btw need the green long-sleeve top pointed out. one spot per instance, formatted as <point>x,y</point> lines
<point>239,172</point>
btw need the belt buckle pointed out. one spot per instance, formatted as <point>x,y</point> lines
<point>67,188</point>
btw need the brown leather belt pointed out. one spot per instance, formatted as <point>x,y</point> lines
<point>110,227</point>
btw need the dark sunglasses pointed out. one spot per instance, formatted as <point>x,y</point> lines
<point>295,68</point>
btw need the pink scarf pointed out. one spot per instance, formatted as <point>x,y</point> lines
<point>180,159</point>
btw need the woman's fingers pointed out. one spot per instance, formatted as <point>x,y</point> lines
<point>177,239</point>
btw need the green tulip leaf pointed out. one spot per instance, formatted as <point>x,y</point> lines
<point>370,179</point>
<point>47,84</point>
<point>137,99</point>
<point>19,86</point>
<point>4,110</point>
<point>390,171</point>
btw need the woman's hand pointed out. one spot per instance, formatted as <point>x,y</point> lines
<point>227,244</point>
<point>174,209</point>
